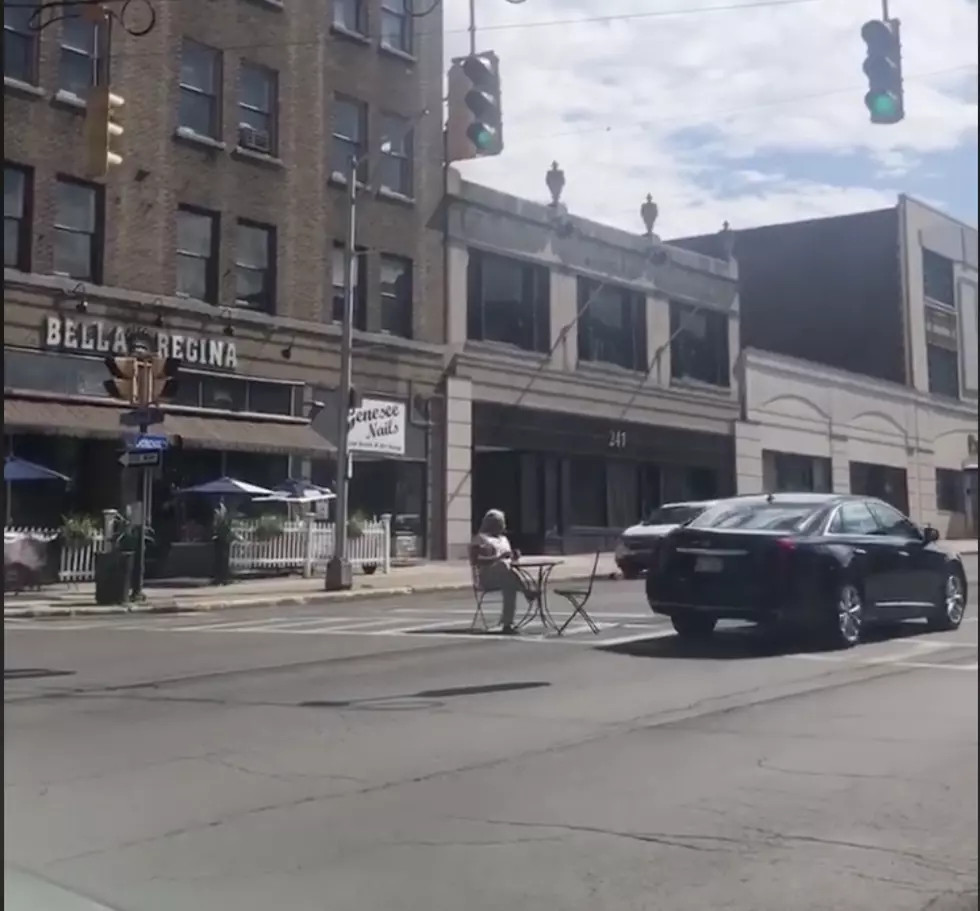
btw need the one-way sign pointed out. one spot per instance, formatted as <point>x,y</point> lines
<point>141,458</point>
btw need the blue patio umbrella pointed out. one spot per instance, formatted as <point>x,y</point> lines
<point>16,470</point>
<point>227,487</point>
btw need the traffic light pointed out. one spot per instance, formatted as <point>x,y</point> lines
<point>163,378</point>
<point>885,99</point>
<point>125,379</point>
<point>101,125</point>
<point>474,126</point>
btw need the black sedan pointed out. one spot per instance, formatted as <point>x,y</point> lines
<point>828,563</point>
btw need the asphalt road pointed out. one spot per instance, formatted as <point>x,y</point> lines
<point>374,757</point>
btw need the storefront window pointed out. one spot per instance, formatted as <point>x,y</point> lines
<point>226,394</point>
<point>67,374</point>
<point>62,374</point>
<point>587,502</point>
<point>270,398</point>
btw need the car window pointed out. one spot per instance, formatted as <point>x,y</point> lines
<point>892,522</point>
<point>673,515</point>
<point>853,519</point>
<point>755,516</point>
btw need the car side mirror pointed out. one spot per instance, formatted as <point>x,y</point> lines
<point>930,534</point>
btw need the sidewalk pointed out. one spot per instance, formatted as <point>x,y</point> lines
<point>66,600</point>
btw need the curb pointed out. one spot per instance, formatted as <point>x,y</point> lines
<point>182,606</point>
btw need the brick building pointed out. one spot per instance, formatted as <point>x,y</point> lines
<point>222,228</point>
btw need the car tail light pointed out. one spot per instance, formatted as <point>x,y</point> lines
<point>786,545</point>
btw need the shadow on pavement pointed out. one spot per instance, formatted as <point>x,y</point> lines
<point>32,673</point>
<point>425,699</point>
<point>747,642</point>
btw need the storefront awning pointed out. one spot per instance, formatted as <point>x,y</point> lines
<point>196,431</point>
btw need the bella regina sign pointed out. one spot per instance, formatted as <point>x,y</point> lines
<point>377,426</point>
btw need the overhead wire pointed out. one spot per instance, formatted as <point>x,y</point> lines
<point>498,27</point>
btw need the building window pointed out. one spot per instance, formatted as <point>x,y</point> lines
<point>78,56</point>
<point>789,472</point>
<point>19,43</point>
<point>508,301</point>
<point>16,217</point>
<point>272,398</point>
<point>360,287</point>
<point>197,254</point>
<point>396,154</point>
<point>881,481</point>
<point>950,490</point>
<point>349,128</point>
<point>612,325</point>
<point>255,266</point>
<point>943,364</point>
<point>200,78</point>
<point>396,26</point>
<point>938,278</point>
<point>396,296</point>
<point>77,229</point>
<point>349,15</point>
<point>699,345</point>
<point>257,108</point>
<point>223,393</point>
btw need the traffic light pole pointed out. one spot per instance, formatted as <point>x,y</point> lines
<point>339,573</point>
<point>144,378</point>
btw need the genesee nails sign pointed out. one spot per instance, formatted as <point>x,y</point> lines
<point>377,426</point>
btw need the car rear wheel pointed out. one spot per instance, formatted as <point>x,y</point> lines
<point>848,616</point>
<point>950,605</point>
<point>630,572</point>
<point>693,626</point>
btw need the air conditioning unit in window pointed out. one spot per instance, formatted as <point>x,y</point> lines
<point>256,140</point>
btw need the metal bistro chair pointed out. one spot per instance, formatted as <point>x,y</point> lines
<point>578,598</point>
<point>480,593</point>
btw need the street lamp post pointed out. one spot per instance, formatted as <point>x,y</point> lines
<point>339,572</point>
<point>339,575</point>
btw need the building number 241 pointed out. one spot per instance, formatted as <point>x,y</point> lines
<point>617,439</point>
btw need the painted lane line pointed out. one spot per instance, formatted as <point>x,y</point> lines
<point>184,626</point>
<point>645,615</point>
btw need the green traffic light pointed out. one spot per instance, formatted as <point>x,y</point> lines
<point>883,105</point>
<point>484,139</point>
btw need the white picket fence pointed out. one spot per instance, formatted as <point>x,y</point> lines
<point>303,546</point>
<point>307,545</point>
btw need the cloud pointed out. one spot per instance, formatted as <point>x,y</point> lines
<point>753,114</point>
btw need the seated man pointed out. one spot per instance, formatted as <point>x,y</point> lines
<point>492,556</point>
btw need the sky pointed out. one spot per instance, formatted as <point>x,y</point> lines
<point>743,111</point>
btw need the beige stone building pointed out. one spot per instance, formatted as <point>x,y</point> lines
<point>591,374</point>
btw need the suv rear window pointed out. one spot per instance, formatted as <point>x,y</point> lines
<point>756,516</point>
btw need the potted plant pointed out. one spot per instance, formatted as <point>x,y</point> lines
<point>268,528</point>
<point>355,526</point>
<point>114,567</point>
<point>223,534</point>
<point>77,532</point>
<point>355,529</point>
